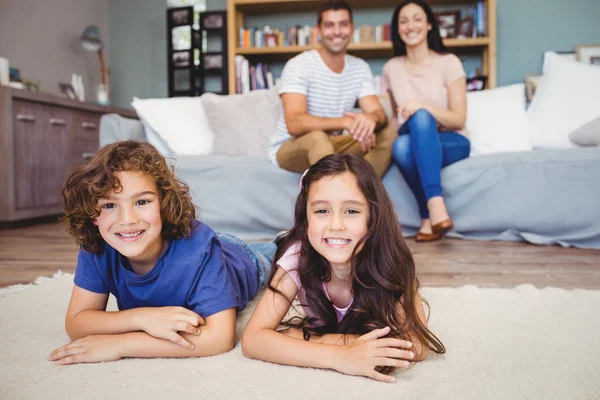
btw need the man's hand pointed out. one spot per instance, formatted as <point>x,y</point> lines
<point>90,349</point>
<point>165,322</point>
<point>362,129</point>
<point>369,351</point>
<point>407,109</point>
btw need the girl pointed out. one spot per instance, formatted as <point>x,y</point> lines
<point>178,285</point>
<point>355,278</point>
<point>427,87</point>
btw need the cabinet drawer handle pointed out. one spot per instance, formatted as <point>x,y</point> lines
<point>25,117</point>
<point>88,125</point>
<point>87,156</point>
<point>58,121</point>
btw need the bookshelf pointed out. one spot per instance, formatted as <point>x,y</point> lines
<point>237,9</point>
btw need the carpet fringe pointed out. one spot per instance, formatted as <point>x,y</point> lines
<point>40,280</point>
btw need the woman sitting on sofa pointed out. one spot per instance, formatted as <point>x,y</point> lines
<point>427,87</point>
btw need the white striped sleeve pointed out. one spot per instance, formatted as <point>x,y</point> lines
<point>368,87</point>
<point>293,78</point>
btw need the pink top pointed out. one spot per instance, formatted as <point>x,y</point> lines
<point>428,85</point>
<point>289,262</point>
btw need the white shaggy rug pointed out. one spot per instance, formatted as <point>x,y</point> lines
<point>520,343</point>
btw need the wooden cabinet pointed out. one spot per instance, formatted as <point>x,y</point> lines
<point>42,137</point>
<point>237,9</point>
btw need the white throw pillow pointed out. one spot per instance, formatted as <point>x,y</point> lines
<point>180,122</point>
<point>496,120</point>
<point>242,123</point>
<point>567,97</point>
<point>155,140</point>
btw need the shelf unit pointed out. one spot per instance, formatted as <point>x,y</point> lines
<point>237,9</point>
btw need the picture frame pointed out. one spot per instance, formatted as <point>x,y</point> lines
<point>181,59</point>
<point>212,61</point>
<point>180,17</point>
<point>66,89</point>
<point>531,84</point>
<point>476,83</point>
<point>588,53</point>
<point>465,28</point>
<point>448,22</point>
<point>212,21</point>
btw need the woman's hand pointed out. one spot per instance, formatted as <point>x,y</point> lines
<point>165,322</point>
<point>407,109</point>
<point>90,349</point>
<point>369,351</point>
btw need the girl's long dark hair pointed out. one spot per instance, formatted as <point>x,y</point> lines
<point>383,271</point>
<point>434,40</point>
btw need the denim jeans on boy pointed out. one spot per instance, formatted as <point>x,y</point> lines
<point>420,152</point>
<point>261,254</point>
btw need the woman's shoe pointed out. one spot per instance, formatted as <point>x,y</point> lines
<point>441,228</point>
<point>427,237</point>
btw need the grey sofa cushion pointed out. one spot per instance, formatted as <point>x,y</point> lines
<point>242,124</point>
<point>114,128</point>
<point>588,134</point>
<point>543,197</point>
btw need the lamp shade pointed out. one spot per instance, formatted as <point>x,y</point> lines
<point>90,38</point>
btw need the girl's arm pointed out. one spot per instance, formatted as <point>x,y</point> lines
<point>216,337</point>
<point>86,316</point>
<point>262,341</point>
<point>454,118</point>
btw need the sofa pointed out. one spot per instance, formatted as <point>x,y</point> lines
<point>542,196</point>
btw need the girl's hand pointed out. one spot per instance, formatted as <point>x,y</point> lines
<point>369,351</point>
<point>165,322</point>
<point>90,349</point>
<point>407,109</point>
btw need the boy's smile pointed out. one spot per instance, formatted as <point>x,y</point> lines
<point>130,220</point>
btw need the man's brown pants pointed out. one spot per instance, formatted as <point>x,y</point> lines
<point>301,152</point>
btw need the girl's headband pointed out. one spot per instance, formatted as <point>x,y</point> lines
<point>302,179</point>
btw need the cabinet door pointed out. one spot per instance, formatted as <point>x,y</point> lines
<point>86,136</point>
<point>41,142</point>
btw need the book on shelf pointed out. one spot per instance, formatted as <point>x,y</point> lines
<point>252,77</point>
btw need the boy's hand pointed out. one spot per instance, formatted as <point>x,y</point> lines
<point>165,322</point>
<point>90,349</point>
<point>369,351</point>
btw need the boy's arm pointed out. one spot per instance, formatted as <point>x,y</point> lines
<point>86,316</point>
<point>216,337</point>
<point>300,122</point>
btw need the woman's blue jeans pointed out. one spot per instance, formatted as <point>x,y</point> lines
<point>420,152</point>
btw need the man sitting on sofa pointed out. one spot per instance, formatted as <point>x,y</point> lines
<point>317,89</point>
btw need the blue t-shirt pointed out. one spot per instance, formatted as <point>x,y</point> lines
<point>202,274</point>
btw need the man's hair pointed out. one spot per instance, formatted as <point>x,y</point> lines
<point>334,5</point>
<point>97,178</point>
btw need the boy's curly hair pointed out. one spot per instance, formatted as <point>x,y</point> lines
<point>96,178</point>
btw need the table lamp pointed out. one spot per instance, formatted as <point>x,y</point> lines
<point>90,40</point>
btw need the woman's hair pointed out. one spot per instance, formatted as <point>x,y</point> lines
<point>96,179</point>
<point>434,40</point>
<point>383,271</point>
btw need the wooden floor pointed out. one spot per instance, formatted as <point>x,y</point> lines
<point>26,253</point>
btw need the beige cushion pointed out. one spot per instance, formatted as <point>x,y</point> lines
<point>588,134</point>
<point>242,123</point>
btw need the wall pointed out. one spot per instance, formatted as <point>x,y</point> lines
<point>525,30</point>
<point>41,40</point>
<point>528,28</point>
<point>138,50</point>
